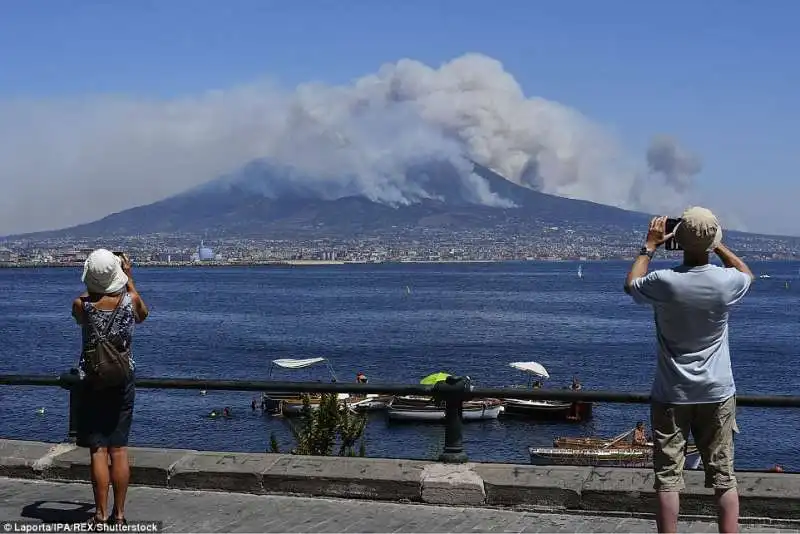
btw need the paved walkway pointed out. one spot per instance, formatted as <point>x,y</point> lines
<point>197,511</point>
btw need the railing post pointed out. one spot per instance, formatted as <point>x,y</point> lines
<point>452,391</point>
<point>71,382</point>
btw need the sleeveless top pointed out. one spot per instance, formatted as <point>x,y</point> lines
<point>121,332</point>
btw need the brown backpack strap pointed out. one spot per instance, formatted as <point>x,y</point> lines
<point>102,336</point>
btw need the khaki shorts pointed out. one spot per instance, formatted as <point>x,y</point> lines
<point>712,426</point>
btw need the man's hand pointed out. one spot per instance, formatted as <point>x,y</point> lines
<point>656,233</point>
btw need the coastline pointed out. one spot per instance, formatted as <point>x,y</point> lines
<point>328,263</point>
<point>304,263</point>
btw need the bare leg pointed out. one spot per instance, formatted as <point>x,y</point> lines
<point>728,510</point>
<point>667,514</point>
<point>120,475</point>
<point>100,478</point>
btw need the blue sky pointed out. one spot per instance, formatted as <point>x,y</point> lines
<point>721,76</point>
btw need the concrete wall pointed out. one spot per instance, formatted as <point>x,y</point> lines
<point>763,495</point>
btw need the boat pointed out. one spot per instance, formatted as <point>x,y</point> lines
<point>425,409</point>
<point>544,409</point>
<point>765,276</point>
<point>370,403</point>
<point>291,404</point>
<point>599,452</point>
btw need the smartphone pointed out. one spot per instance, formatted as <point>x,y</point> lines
<point>671,243</point>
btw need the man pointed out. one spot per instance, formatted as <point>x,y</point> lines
<point>693,390</point>
<point>639,435</point>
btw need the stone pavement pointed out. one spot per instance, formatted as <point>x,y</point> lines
<point>205,511</point>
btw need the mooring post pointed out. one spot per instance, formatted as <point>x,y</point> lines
<point>71,381</point>
<point>453,392</point>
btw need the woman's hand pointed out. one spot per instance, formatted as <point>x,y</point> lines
<point>127,266</point>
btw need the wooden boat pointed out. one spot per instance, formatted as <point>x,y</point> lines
<point>544,409</point>
<point>423,409</point>
<point>291,404</point>
<point>600,452</point>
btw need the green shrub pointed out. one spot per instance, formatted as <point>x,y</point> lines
<point>333,426</point>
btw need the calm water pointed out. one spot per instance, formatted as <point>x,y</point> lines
<point>465,319</point>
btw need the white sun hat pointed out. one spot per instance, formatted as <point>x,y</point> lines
<point>102,273</point>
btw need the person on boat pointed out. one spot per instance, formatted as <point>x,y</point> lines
<point>107,311</point>
<point>226,412</point>
<point>576,385</point>
<point>693,386</point>
<point>361,378</point>
<point>639,435</point>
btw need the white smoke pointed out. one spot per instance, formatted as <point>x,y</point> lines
<point>672,169</point>
<point>669,160</point>
<point>69,161</point>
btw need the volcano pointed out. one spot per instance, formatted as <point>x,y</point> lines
<point>259,201</point>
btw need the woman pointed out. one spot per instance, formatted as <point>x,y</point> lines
<point>111,304</point>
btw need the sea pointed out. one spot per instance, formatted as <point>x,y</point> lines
<point>396,323</point>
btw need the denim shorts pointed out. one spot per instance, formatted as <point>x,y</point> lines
<point>105,415</point>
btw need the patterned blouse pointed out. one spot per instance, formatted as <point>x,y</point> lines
<point>121,333</point>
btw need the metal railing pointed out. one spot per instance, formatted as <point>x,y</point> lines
<point>453,392</point>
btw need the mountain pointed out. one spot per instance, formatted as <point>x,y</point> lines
<point>258,201</point>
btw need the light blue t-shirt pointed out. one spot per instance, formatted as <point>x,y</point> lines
<point>691,312</point>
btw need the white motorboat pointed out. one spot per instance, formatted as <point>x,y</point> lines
<point>412,408</point>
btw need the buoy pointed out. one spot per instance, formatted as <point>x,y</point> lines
<point>40,411</point>
<point>213,414</point>
<point>202,392</point>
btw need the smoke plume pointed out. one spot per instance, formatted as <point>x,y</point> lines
<point>68,161</point>
<point>676,165</point>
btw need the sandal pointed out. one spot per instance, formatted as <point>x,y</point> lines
<point>95,520</point>
<point>113,520</point>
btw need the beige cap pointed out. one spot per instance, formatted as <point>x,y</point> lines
<point>699,230</point>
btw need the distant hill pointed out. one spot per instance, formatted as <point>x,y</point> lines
<point>242,206</point>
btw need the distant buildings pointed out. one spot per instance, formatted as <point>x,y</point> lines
<point>509,242</point>
<point>205,254</point>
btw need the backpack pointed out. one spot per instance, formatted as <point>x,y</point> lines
<point>105,365</point>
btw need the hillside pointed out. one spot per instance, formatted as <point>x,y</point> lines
<point>238,207</point>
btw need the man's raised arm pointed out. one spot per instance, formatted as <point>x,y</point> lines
<point>729,259</point>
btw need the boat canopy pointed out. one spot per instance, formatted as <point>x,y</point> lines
<point>534,368</point>
<point>297,364</point>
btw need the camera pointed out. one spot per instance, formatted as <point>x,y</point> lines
<point>118,253</point>
<point>672,243</point>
